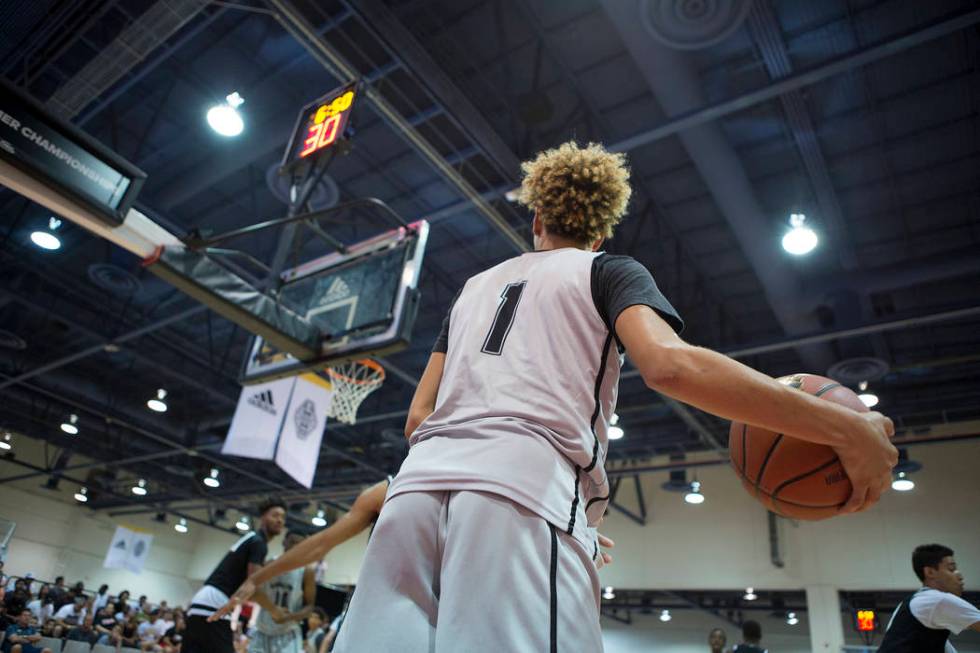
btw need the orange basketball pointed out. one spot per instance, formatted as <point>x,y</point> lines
<point>791,477</point>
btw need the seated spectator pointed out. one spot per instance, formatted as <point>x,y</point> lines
<point>71,614</point>
<point>106,625</point>
<point>5,620</point>
<point>59,593</point>
<point>148,635</point>
<point>85,632</point>
<point>143,608</point>
<point>164,621</point>
<point>316,631</point>
<point>101,598</point>
<point>16,601</point>
<point>129,635</point>
<point>4,579</point>
<point>173,637</point>
<point>52,629</point>
<point>22,637</point>
<point>42,606</point>
<point>122,608</point>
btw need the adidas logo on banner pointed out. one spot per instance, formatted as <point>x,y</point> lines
<point>337,290</point>
<point>263,401</point>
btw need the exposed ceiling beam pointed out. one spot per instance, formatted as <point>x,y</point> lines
<point>331,59</point>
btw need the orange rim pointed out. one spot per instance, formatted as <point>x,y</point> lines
<point>367,362</point>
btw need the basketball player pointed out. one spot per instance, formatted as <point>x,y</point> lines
<point>923,622</point>
<point>294,592</point>
<point>362,514</point>
<point>244,558</point>
<point>494,509</point>
<point>717,640</point>
<point>751,638</point>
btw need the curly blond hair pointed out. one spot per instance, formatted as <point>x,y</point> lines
<point>579,193</point>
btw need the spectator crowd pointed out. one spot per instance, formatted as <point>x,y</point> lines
<point>31,610</point>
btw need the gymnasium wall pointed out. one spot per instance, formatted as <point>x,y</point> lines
<point>724,542</point>
<point>57,537</point>
<point>688,632</point>
<point>54,538</point>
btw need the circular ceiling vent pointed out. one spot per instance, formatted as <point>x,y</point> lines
<point>10,340</point>
<point>324,195</point>
<point>852,371</point>
<point>693,24</point>
<point>114,279</point>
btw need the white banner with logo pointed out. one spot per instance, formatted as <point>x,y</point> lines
<point>258,419</point>
<point>302,428</point>
<point>128,550</point>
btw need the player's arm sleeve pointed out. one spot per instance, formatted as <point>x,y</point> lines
<point>441,345</point>
<point>941,610</point>
<point>619,282</point>
<point>257,551</point>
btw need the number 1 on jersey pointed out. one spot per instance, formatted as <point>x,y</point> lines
<point>504,319</point>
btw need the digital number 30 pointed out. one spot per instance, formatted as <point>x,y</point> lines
<point>320,135</point>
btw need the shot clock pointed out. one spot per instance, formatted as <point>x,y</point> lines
<point>320,125</point>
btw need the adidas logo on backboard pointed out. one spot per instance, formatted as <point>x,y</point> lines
<point>263,401</point>
<point>338,290</point>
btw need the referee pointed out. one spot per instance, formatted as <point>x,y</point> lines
<point>243,559</point>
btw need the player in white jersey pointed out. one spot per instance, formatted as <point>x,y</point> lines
<point>293,592</point>
<point>487,541</point>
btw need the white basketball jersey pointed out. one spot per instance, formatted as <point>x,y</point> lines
<point>530,382</point>
<point>286,591</point>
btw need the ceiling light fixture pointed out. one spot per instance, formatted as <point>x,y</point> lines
<point>211,480</point>
<point>82,495</point>
<point>791,619</point>
<point>5,442</point>
<point>608,594</point>
<point>242,524</point>
<point>800,239</point>
<point>750,594</point>
<point>71,426</point>
<point>615,433</point>
<point>694,497</point>
<point>869,399</point>
<point>665,615</point>
<point>224,118</point>
<point>319,520</point>
<point>157,404</point>
<point>140,488</point>
<point>181,526</point>
<point>902,482</point>
<point>46,239</point>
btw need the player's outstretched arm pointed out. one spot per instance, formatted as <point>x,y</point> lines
<point>722,386</point>
<point>366,508</point>
<point>424,400</point>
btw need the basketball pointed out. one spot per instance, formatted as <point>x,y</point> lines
<point>792,477</point>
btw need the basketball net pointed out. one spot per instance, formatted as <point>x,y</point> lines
<point>352,382</point>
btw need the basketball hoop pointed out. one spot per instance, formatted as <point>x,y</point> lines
<point>352,382</point>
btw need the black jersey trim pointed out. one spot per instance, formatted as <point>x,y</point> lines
<point>571,518</point>
<point>598,405</point>
<point>596,500</point>
<point>553,586</point>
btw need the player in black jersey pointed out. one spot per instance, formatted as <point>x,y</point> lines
<point>244,558</point>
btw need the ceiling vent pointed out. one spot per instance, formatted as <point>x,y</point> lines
<point>10,340</point>
<point>693,24</point>
<point>852,371</point>
<point>114,279</point>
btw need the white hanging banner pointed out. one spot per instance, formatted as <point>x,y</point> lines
<point>128,550</point>
<point>258,419</point>
<point>302,429</point>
